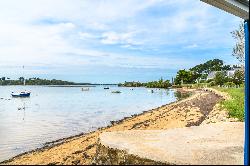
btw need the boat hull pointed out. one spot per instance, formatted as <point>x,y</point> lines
<point>21,95</point>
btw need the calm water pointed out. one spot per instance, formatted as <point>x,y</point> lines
<point>52,113</point>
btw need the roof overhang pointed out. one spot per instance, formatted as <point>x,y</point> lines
<point>238,8</point>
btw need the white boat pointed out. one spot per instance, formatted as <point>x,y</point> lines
<point>20,94</point>
<point>24,93</point>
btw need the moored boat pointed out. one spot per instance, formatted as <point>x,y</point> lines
<point>85,89</point>
<point>21,94</point>
<point>116,92</point>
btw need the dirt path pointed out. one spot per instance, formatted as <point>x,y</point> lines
<point>81,149</point>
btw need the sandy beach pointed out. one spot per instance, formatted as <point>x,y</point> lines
<point>202,107</point>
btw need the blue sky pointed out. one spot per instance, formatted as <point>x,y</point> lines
<point>110,41</point>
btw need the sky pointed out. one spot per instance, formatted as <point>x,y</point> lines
<point>111,41</point>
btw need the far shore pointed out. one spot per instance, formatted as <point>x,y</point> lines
<point>81,149</point>
<point>69,85</point>
<point>87,85</point>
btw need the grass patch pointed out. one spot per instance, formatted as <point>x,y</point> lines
<point>235,106</point>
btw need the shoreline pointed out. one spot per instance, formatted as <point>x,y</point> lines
<point>146,120</point>
<point>51,144</point>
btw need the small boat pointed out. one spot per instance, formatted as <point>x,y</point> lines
<point>106,88</point>
<point>85,89</point>
<point>152,91</point>
<point>116,91</point>
<point>21,94</point>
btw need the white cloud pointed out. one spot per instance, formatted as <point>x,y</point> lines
<point>93,12</point>
<point>33,43</point>
<point>86,35</point>
<point>116,38</point>
<point>68,33</point>
<point>28,36</point>
<point>191,46</point>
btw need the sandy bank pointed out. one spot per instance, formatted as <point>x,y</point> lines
<point>81,149</point>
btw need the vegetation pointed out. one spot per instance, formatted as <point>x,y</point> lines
<point>211,65</point>
<point>185,77</point>
<point>153,84</point>
<point>200,72</point>
<point>196,77</point>
<point>158,84</point>
<point>238,77</point>
<point>211,83</point>
<point>35,81</point>
<point>131,84</point>
<point>220,78</point>
<point>239,48</point>
<point>230,84</point>
<point>235,106</point>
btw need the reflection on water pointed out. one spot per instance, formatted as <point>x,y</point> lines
<point>52,113</point>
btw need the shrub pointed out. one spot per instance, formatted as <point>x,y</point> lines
<point>238,77</point>
<point>202,81</point>
<point>210,80</point>
<point>229,84</point>
<point>220,78</point>
<point>212,83</point>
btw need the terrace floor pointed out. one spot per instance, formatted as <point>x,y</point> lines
<point>219,143</point>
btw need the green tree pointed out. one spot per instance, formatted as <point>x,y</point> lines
<point>21,79</point>
<point>211,65</point>
<point>226,67</point>
<point>184,76</point>
<point>220,78</point>
<point>238,77</point>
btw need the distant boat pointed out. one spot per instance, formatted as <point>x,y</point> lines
<point>116,92</point>
<point>85,89</point>
<point>20,94</point>
<point>106,88</point>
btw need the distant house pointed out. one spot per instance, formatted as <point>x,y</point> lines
<point>211,75</point>
<point>229,73</point>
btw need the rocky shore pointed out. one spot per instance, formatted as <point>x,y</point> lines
<point>201,108</point>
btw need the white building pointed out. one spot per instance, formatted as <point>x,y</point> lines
<point>229,73</point>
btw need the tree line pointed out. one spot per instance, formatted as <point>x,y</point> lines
<point>152,84</point>
<point>198,74</point>
<point>36,81</point>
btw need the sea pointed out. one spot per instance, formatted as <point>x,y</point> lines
<point>51,113</point>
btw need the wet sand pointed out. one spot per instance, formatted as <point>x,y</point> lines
<point>81,149</point>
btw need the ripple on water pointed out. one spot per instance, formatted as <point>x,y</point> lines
<point>52,113</point>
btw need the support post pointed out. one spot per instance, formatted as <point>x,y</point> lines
<point>246,146</point>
